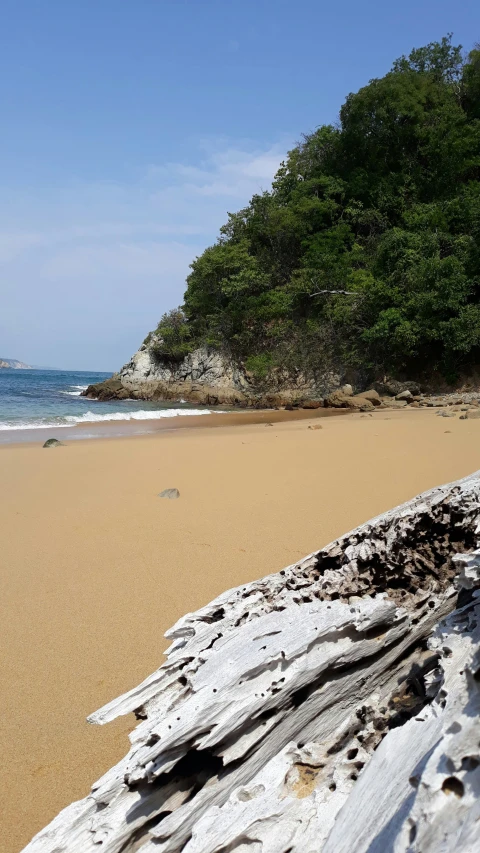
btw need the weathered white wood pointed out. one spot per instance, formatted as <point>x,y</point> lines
<point>398,803</point>
<point>293,712</point>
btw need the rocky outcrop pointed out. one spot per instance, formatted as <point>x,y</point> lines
<point>203,366</point>
<point>465,405</point>
<point>209,377</point>
<point>332,707</point>
<point>392,387</point>
<point>363,402</point>
<point>109,389</point>
<point>203,377</point>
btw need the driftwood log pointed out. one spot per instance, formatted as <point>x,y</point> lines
<point>334,706</point>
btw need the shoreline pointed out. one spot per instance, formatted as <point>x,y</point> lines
<point>96,567</point>
<point>129,428</point>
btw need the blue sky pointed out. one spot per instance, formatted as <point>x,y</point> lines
<point>131,127</point>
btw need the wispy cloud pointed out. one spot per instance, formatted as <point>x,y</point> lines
<point>230,172</point>
<point>126,261</point>
<point>107,244</point>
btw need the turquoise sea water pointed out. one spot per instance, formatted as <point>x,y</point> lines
<point>36,399</point>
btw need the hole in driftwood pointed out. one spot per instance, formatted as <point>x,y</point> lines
<point>452,785</point>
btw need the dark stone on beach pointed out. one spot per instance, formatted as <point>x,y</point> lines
<point>170,493</point>
<point>110,389</point>
<point>312,404</point>
<point>53,442</point>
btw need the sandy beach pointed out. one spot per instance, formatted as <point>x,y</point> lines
<point>95,567</point>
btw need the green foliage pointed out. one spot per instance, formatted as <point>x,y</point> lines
<point>172,338</point>
<point>470,91</point>
<point>259,365</point>
<point>386,207</point>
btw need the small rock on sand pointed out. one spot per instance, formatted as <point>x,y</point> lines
<point>170,493</point>
<point>315,426</point>
<point>53,442</point>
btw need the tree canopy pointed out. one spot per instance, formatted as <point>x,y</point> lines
<point>384,206</point>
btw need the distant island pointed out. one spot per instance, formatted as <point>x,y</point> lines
<point>14,364</point>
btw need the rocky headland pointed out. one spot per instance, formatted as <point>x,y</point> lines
<point>327,279</point>
<point>212,378</point>
<point>203,376</point>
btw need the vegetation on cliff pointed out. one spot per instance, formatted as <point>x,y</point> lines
<point>384,206</point>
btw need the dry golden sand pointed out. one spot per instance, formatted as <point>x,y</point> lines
<point>95,567</point>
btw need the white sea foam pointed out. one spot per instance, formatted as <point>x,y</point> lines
<point>50,424</point>
<point>77,392</point>
<point>92,417</point>
<point>140,415</point>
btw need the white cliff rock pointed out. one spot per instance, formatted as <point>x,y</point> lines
<point>218,377</point>
<point>203,366</point>
<point>331,707</point>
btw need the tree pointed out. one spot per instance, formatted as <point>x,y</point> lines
<point>380,217</point>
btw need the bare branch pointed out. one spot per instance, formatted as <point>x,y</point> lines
<point>345,292</point>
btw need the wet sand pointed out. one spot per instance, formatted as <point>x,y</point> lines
<point>117,429</point>
<point>95,567</point>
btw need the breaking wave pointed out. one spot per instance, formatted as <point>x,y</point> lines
<point>76,392</point>
<point>92,417</point>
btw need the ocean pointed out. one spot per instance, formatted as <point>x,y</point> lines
<point>38,399</point>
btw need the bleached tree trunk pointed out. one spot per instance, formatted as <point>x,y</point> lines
<point>331,707</point>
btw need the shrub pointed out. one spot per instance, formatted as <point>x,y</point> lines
<point>172,337</point>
